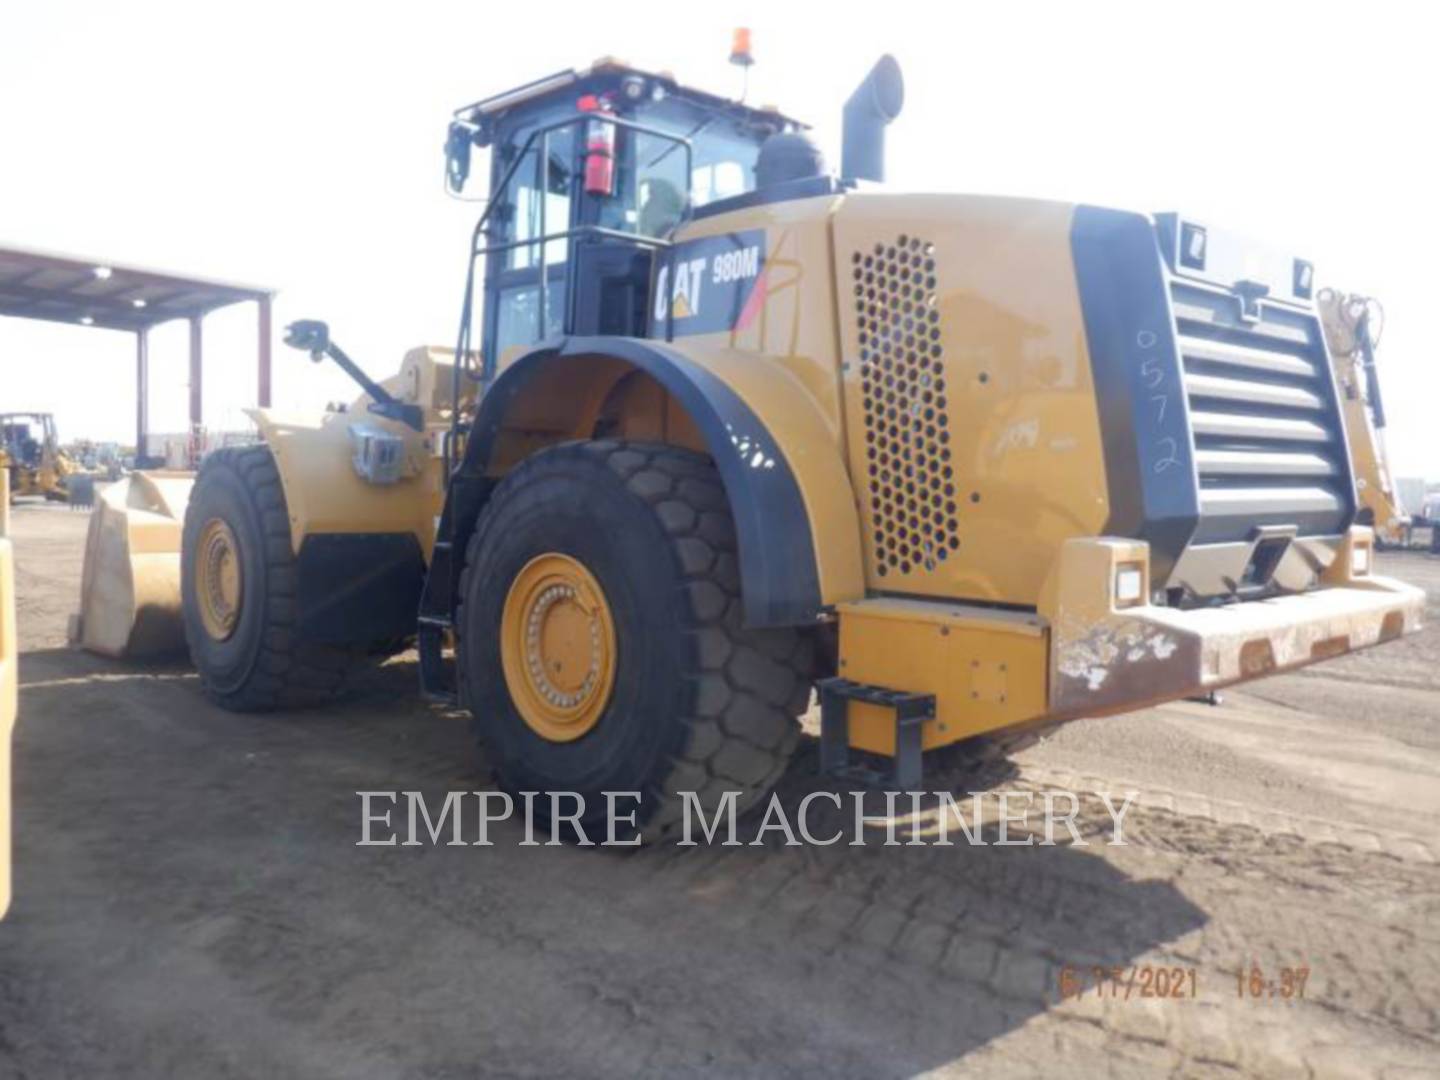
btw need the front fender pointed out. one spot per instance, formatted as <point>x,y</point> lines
<point>323,493</point>
<point>360,548</point>
<point>778,459</point>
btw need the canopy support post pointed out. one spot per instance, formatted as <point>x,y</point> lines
<point>142,394</point>
<point>262,396</point>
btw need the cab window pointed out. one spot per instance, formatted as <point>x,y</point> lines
<point>723,148</point>
<point>537,204</point>
<point>542,193</point>
<point>724,166</point>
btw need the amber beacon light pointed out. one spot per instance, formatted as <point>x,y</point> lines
<point>740,47</point>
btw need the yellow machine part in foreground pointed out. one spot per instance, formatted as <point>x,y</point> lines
<point>9,687</point>
<point>130,586</point>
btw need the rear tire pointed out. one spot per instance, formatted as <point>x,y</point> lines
<point>260,664</point>
<point>698,703</point>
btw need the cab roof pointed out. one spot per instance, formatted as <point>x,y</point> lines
<point>610,67</point>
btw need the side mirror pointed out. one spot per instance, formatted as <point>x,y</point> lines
<point>457,156</point>
<point>308,335</point>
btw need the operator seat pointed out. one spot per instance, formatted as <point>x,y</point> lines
<point>664,207</point>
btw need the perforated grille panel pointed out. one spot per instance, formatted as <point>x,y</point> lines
<point>913,512</point>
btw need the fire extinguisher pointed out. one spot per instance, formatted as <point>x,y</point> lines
<point>599,148</point>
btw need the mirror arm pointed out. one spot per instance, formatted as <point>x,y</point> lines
<point>313,336</point>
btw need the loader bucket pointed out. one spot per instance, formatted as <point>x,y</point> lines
<point>130,585</point>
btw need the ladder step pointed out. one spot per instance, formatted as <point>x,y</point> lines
<point>910,710</point>
<point>439,622</point>
<point>908,706</point>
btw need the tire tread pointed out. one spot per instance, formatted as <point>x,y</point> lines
<point>749,686</point>
<point>288,673</point>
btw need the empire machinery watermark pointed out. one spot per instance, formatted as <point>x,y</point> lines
<point>820,819</point>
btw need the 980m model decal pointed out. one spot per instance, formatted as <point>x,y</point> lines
<point>716,283</point>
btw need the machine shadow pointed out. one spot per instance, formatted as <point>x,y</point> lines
<point>919,954</point>
<point>885,935</point>
<point>981,933</point>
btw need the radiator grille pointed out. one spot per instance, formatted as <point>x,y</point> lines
<point>913,514</point>
<point>1269,446</point>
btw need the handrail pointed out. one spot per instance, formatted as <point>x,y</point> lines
<point>462,344</point>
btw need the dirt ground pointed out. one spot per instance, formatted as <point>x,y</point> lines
<point>190,900</point>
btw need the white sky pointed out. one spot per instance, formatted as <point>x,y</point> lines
<point>298,145</point>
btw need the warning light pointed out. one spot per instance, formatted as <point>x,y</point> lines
<point>588,103</point>
<point>740,47</point>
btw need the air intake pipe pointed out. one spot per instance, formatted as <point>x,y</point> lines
<point>872,106</point>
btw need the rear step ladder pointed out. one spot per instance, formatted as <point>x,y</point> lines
<point>911,711</point>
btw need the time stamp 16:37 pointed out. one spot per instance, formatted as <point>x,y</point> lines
<point>1138,982</point>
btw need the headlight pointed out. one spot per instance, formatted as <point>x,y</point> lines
<point>1360,560</point>
<point>1304,279</point>
<point>1129,585</point>
<point>1192,246</point>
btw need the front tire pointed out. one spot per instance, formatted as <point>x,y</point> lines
<point>238,592</point>
<point>694,702</point>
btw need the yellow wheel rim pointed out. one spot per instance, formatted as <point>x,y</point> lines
<point>218,581</point>
<point>557,646</point>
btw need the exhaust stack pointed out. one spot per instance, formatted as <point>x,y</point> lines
<point>872,106</point>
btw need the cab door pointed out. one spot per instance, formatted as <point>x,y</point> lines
<point>532,231</point>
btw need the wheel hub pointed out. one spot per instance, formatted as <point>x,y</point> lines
<point>218,581</point>
<point>557,647</point>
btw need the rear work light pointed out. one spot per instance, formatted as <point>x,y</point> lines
<point>1304,279</point>
<point>1360,560</point>
<point>1129,585</point>
<point>1192,246</point>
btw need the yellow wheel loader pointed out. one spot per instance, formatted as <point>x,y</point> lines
<point>721,427</point>
<point>1352,331</point>
<point>30,452</point>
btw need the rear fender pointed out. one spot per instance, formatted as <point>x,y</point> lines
<point>778,457</point>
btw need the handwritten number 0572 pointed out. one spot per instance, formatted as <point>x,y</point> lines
<point>1154,375</point>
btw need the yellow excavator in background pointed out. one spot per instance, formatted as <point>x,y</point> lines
<point>1353,324</point>
<point>30,452</point>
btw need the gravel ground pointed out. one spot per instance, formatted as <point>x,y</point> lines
<point>190,900</point>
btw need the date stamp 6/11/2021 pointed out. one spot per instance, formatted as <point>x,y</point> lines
<point>1139,982</point>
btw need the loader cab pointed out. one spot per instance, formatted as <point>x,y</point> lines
<point>25,436</point>
<point>590,174</point>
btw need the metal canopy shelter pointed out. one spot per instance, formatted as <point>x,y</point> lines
<point>99,293</point>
